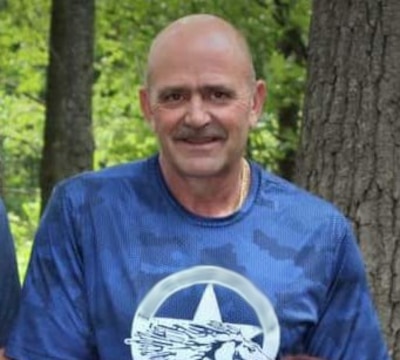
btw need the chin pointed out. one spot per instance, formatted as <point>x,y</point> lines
<point>200,168</point>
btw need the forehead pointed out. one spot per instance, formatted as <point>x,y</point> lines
<point>198,69</point>
<point>198,54</point>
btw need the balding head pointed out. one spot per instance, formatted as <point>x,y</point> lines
<point>199,30</point>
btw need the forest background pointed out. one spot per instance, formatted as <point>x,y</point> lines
<point>331,122</point>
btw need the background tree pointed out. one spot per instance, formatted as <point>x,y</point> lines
<point>68,141</point>
<point>350,151</point>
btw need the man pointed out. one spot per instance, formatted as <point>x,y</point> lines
<point>9,282</point>
<point>195,253</point>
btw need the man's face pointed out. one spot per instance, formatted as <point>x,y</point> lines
<point>201,103</point>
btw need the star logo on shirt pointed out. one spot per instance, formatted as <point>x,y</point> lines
<point>206,336</point>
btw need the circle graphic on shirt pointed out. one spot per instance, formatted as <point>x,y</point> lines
<point>206,336</point>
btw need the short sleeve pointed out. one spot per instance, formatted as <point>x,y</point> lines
<point>9,282</point>
<point>53,321</point>
<point>348,328</point>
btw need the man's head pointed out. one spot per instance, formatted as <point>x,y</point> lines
<point>201,96</point>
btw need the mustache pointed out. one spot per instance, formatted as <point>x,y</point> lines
<point>210,131</point>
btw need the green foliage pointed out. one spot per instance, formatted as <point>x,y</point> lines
<point>23,60</point>
<point>23,228</point>
<point>263,144</point>
<point>124,30</point>
<point>23,63</point>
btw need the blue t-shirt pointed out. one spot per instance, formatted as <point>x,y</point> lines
<point>120,270</point>
<point>9,282</point>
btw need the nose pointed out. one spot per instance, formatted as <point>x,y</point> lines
<point>197,114</point>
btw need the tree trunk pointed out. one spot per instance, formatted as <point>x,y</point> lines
<point>68,141</point>
<point>290,44</point>
<point>350,152</point>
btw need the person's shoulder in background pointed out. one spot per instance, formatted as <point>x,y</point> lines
<point>9,280</point>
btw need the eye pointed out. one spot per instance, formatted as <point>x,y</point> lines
<point>172,97</point>
<point>219,96</point>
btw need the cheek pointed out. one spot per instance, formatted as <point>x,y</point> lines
<point>241,109</point>
<point>236,117</point>
<point>164,121</point>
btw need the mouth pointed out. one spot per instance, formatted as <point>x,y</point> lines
<point>200,144</point>
<point>201,140</point>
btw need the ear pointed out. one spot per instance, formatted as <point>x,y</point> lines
<point>145,106</point>
<point>258,100</point>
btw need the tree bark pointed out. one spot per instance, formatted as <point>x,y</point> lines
<point>68,141</point>
<point>350,144</point>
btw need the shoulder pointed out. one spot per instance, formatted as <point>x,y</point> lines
<point>299,206</point>
<point>283,192</point>
<point>119,185</point>
<point>2,209</point>
<point>121,172</point>
<point>4,227</point>
<point>109,180</point>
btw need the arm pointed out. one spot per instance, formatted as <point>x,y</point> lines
<point>9,281</point>
<point>53,319</point>
<point>348,328</point>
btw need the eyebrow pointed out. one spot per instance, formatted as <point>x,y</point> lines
<point>185,89</point>
<point>218,87</point>
<point>172,89</point>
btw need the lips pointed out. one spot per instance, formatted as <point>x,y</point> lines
<point>201,140</point>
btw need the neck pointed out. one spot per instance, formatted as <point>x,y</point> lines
<point>213,196</point>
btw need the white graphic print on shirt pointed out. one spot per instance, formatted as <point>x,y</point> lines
<point>205,336</point>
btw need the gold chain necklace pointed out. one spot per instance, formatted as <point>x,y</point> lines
<point>244,184</point>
